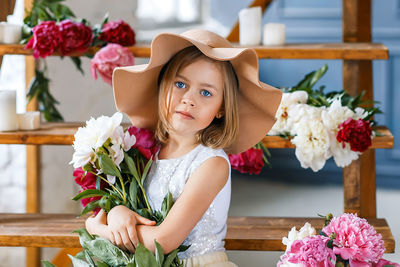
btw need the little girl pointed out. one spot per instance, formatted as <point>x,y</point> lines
<point>203,99</point>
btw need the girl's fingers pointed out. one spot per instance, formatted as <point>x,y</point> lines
<point>143,220</point>
<point>112,238</point>
<point>133,235</point>
<point>127,241</point>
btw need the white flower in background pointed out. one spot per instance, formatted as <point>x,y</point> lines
<point>289,100</point>
<point>311,140</point>
<point>332,117</point>
<point>93,136</point>
<point>306,231</point>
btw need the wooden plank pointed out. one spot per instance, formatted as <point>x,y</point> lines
<point>244,233</point>
<point>359,179</point>
<point>234,34</point>
<point>63,134</point>
<point>348,51</point>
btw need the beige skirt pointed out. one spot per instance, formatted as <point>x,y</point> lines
<point>215,259</point>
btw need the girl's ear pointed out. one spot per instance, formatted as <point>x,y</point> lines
<point>219,114</point>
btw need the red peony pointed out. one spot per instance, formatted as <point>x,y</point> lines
<point>118,32</point>
<point>88,182</point>
<point>357,133</point>
<point>75,37</point>
<point>251,161</point>
<point>46,39</point>
<point>145,141</point>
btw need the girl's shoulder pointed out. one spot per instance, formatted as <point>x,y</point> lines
<point>204,153</point>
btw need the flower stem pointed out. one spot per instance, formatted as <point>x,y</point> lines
<point>113,187</point>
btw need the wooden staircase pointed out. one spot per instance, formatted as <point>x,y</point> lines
<point>244,233</point>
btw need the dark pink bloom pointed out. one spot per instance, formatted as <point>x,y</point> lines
<point>88,181</point>
<point>251,161</point>
<point>356,240</point>
<point>357,133</point>
<point>75,37</point>
<point>383,263</point>
<point>86,201</point>
<point>311,252</point>
<point>118,32</point>
<point>108,58</point>
<point>46,39</point>
<point>145,141</point>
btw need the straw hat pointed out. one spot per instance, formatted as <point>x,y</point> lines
<point>136,89</point>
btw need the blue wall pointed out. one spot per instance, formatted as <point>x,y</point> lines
<point>316,21</point>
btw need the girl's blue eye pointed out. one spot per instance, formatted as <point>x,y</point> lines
<point>205,93</point>
<point>180,85</point>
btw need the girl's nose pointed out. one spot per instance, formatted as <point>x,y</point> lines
<point>187,99</point>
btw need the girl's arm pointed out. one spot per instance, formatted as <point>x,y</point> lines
<point>198,193</point>
<point>200,190</point>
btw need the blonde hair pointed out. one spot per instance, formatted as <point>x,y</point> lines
<point>221,132</point>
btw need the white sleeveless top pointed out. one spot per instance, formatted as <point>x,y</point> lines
<point>171,174</point>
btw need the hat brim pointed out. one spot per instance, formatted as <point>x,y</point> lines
<point>136,90</point>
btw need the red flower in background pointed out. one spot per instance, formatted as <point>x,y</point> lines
<point>118,32</point>
<point>251,161</point>
<point>75,36</point>
<point>145,141</point>
<point>357,133</point>
<point>46,39</point>
<point>88,182</point>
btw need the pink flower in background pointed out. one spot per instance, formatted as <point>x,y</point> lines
<point>356,240</point>
<point>118,32</point>
<point>310,252</point>
<point>75,36</point>
<point>145,141</point>
<point>108,58</point>
<point>46,39</point>
<point>251,161</point>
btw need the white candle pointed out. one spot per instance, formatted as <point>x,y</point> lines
<point>274,34</point>
<point>29,120</point>
<point>250,26</point>
<point>8,110</point>
<point>10,33</point>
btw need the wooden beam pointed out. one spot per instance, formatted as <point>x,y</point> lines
<point>234,34</point>
<point>359,178</point>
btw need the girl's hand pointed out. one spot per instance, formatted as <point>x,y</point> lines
<point>97,225</point>
<point>122,225</point>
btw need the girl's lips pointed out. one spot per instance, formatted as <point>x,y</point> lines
<point>185,114</point>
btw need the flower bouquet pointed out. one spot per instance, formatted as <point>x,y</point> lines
<point>111,167</point>
<point>346,240</point>
<point>323,125</point>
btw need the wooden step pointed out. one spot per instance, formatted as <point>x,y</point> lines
<point>244,233</point>
<point>347,51</point>
<point>63,134</point>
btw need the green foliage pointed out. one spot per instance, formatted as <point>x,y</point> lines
<point>39,88</point>
<point>43,10</point>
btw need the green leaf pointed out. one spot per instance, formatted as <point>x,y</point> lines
<point>144,257</point>
<point>89,259</point>
<point>107,165</point>
<point>131,166</point>
<point>90,206</point>
<point>102,264</point>
<point>167,204</point>
<point>79,263</point>
<point>159,253</point>
<point>89,193</point>
<point>146,170</point>
<point>78,64</point>
<point>81,255</point>
<point>105,203</point>
<point>48,264</point>
<point>84,235</point>
<point>170,258</point>
<point>133,194</point>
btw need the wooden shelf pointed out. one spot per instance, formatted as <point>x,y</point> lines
<point>63,134</point>
<point>244,233</point>
<point>347,51</point>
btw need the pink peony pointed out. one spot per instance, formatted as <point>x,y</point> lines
<point>251,161</point>
<point>46,39</point>
<point>356,240</point>
<point>145,141</point>
<point>310,251</point>
<point>75,37</point>
<point>108,58</point>
<point>383,263</point>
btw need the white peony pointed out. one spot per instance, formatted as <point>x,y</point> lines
<point>306,231</point>
<point>283,122</point>
<point>311,140</point>
<point>332,117</point>
<point>93,136</point>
